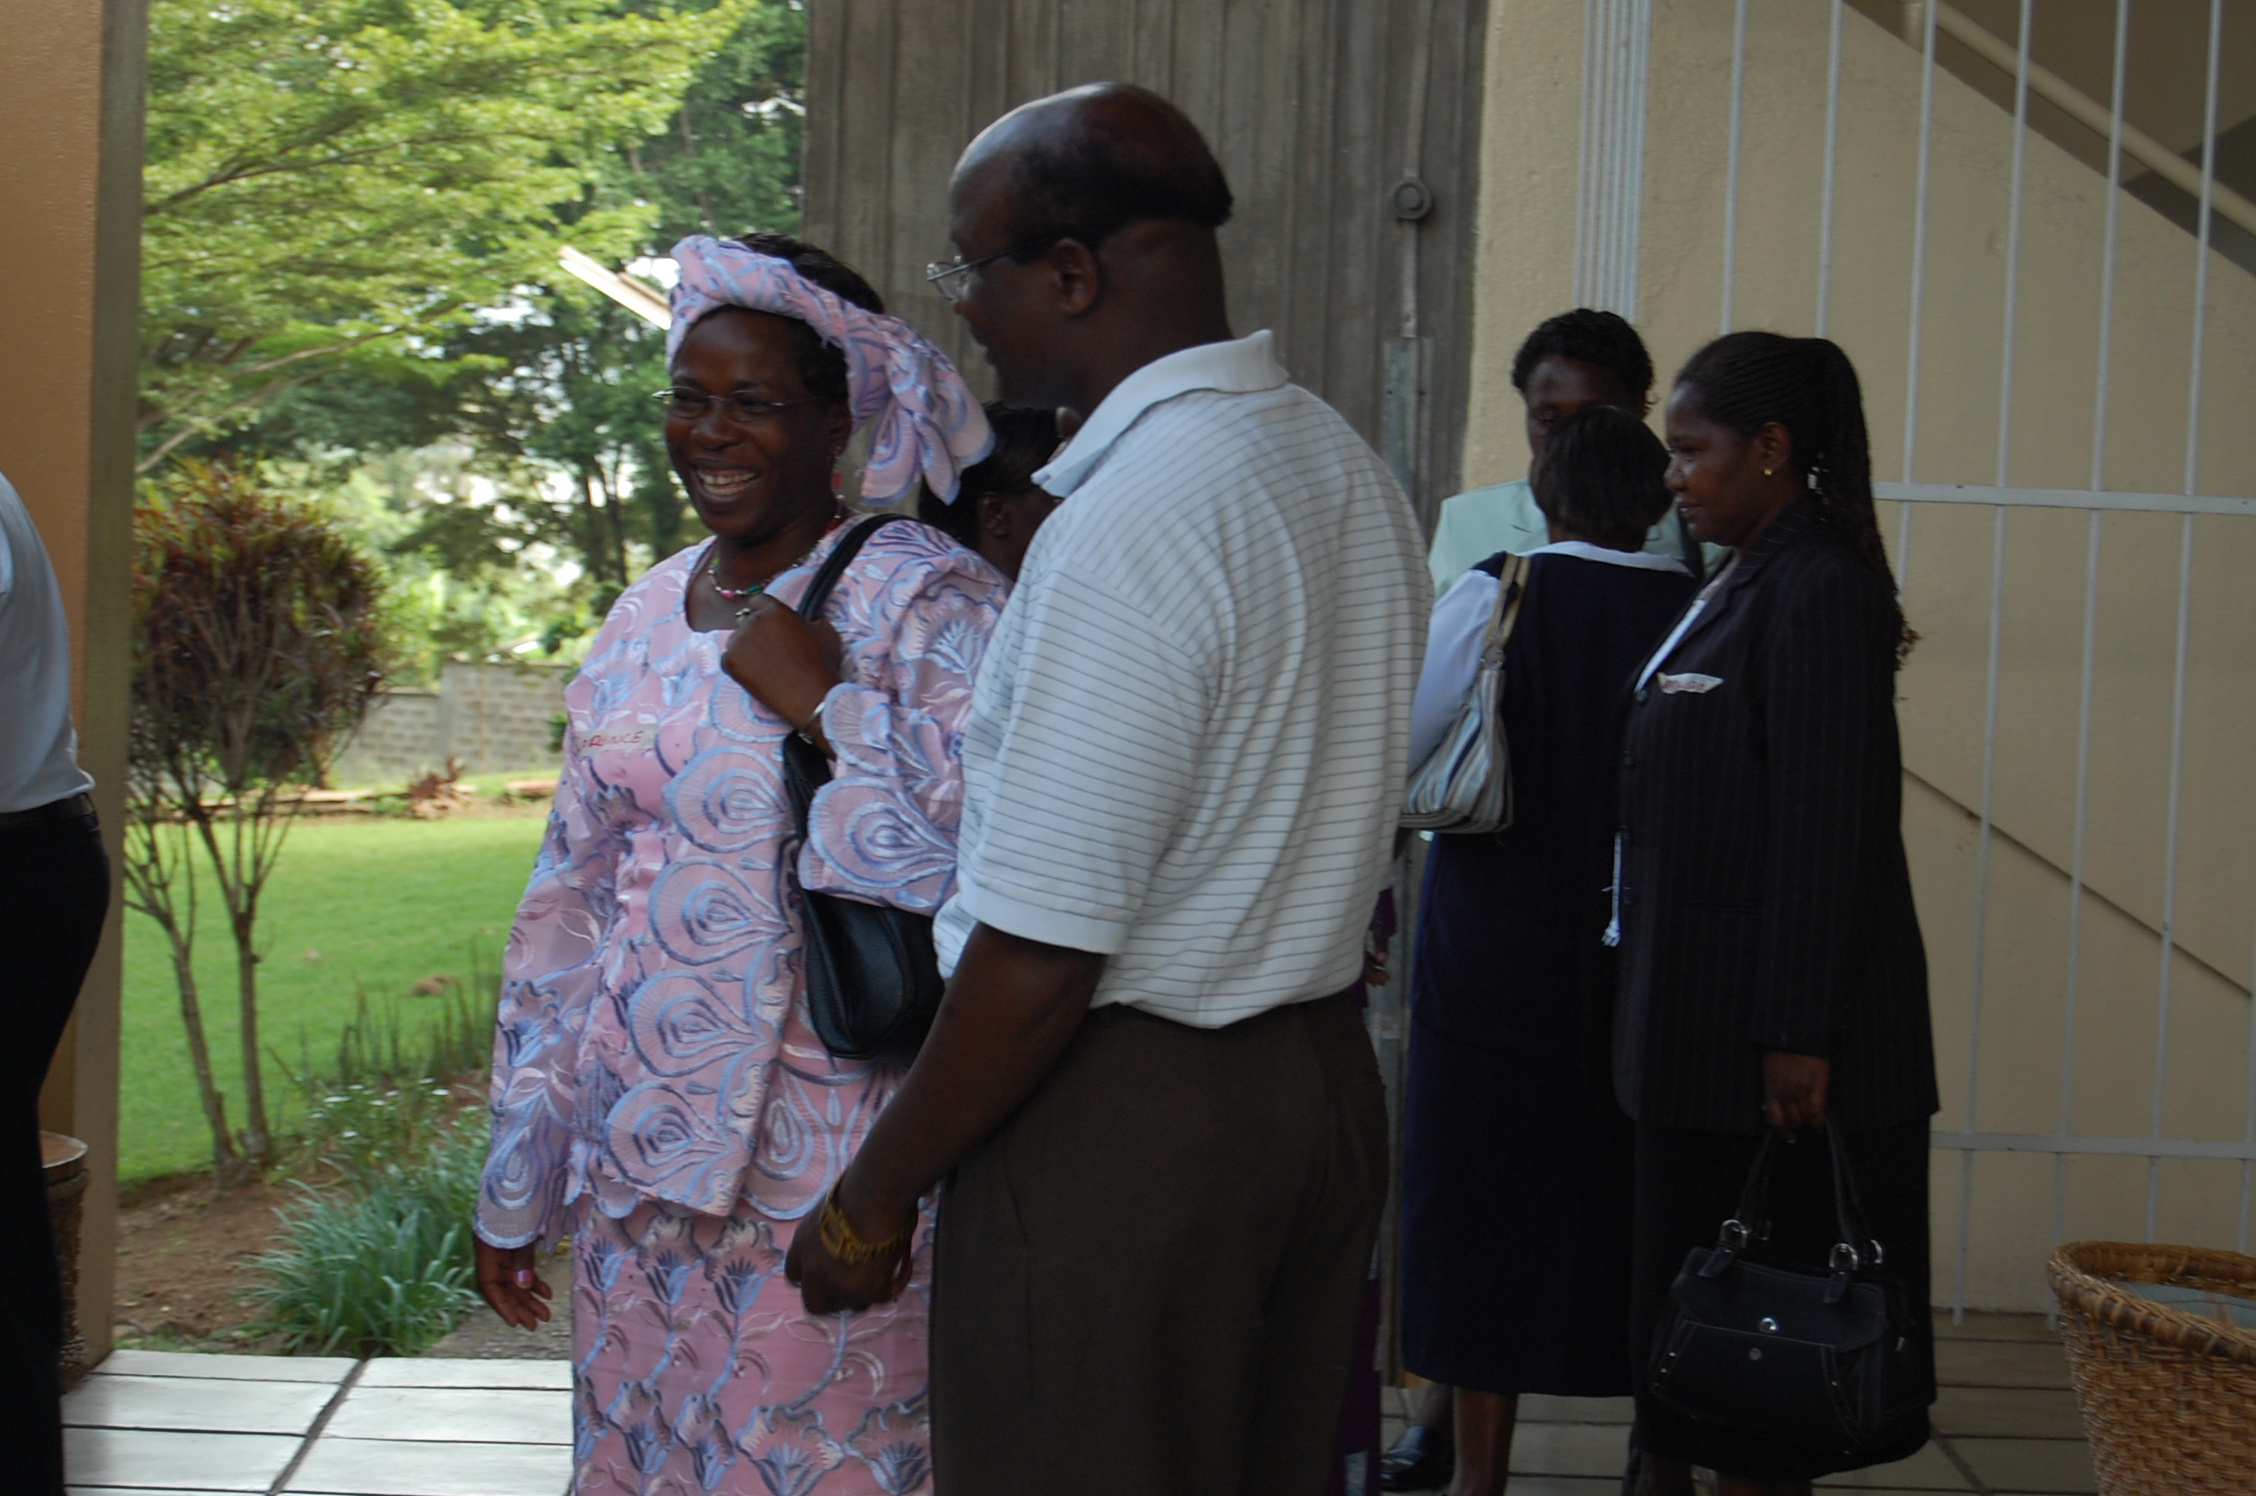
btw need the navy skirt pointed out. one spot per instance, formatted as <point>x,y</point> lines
<point>1515,1223</point>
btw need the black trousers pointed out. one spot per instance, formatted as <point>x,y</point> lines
<point>1146,1282</point>
<point>1688,1183</point>
<point>54,895</point>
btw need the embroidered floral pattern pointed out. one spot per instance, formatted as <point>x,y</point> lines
<point>695,1368</point>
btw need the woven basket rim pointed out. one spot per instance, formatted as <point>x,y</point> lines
<point>2102,1299</point>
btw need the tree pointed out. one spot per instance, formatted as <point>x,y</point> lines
<point>258,640</point>
<point>728,161</point>
<point>543,389</point>
<point>333,184</point>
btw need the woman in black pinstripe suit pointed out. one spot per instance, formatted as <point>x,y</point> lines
<point>1772,972</point>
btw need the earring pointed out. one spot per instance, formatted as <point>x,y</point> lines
<point>1768,471</point>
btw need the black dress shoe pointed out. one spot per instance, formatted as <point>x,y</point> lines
<point>1423,1459</point>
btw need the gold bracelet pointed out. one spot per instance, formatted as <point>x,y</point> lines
<point>842,1241</point>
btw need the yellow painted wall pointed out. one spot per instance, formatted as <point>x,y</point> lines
<point>70,120</point>
<point>1525,272</point>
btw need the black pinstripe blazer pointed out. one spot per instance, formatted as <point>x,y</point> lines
<point>1766,903</point>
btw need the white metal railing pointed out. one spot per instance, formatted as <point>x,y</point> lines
<point>2064,1142</point>
<point>2123,139</point>
<point>1970,1138</point>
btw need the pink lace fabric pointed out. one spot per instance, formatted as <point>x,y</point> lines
<point>926,420</point>
<point>652,1042</point>
<point>696,1367</point>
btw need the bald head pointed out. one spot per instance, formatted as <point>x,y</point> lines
<point>1084,224</point>
<point>1080,164</point>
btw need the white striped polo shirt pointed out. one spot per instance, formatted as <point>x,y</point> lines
<point>1188,739</point>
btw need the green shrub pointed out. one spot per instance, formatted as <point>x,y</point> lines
<point>382,1265</point>
<point>356,1132</point>
<point>387,1095</point>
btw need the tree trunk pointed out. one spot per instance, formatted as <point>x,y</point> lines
<point>240,879</point>
<point>258,1142</point>
<point>149,876</point>
<point>606,545</point>
<point>227,1165</point>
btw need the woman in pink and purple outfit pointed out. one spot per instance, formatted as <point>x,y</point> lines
<point>658,1094</point>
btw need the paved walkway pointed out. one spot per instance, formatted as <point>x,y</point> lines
<point>158,1424</point>
<point>154,1423</point>
<point>2006,1422</point>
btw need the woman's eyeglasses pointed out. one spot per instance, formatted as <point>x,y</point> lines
<point>691,405</point>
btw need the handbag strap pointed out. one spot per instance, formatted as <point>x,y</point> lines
<point>805,770</point>
<point>835,564</point>
<point>1854,1248</point>
<point>1747,1225</point>
<point>1511,589</point>
<point>1857,1246</point>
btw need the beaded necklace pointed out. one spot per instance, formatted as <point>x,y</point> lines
<point>746,594</point>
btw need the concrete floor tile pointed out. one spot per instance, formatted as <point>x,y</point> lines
<point>2031,1465</point>
<point>474,1415</point>
<point>1929,1470</point>
<point>1988,1326</point>
<point>432,1371</point>
<point>1976,1363</point>
<point>1570,1449</point>
<point>330,1369</point>
<point>182,1403</point>
<point>1536,1407</point>
<point>393,1467</point>
<point>2013,1412</point>
<point>170,1460</point>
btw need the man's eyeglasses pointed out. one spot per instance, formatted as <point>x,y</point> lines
<point>691,405</point>
<point>951,277</point>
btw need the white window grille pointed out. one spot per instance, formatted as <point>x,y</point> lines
<point>1617,43</point>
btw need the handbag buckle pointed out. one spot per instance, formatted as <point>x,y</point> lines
<point>1846,1259</point>
<point>1735,1236</point>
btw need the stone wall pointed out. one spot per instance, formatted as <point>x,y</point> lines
<point>490,718</point>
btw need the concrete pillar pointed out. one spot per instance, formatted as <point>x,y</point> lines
<point>71,86</point>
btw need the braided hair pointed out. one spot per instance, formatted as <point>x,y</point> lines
<point>1746,380</point>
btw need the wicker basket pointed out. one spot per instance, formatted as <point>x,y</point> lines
<point>2168,1397</point>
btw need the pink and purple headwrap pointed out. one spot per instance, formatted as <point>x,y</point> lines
<point>925,418</point>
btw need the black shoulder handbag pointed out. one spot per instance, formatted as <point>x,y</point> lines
<point>873,982</point>
<point>1826,1361</point>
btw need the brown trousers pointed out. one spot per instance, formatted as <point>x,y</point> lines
<point>1146,1281</point>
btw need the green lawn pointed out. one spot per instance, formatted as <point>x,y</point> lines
<point>380,903</point>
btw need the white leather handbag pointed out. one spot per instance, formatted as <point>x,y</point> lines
<point>1465,785</point>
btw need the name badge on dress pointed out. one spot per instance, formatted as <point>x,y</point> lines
<point>620,739</point>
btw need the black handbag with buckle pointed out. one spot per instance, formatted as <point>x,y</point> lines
<point>873,981</point>
<point>1826,1361</point>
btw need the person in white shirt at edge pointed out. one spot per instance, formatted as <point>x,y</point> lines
<point>1157,1112</point>
<point>1574,360</point>
<point>1571,362</point>
<point>54,896</point>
